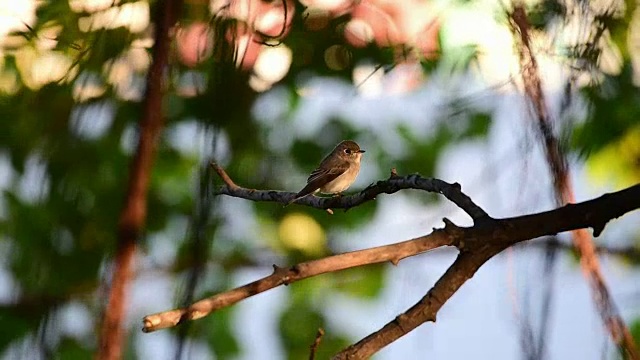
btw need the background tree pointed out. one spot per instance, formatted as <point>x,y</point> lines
<point>266,88</point>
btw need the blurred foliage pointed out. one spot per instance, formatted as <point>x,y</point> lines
<point>298,326</point>
<point>216,331</point>
<point>71,349</point>
<point>362,282</point>
<point>66,159</point>
<point>611,134</point>
<point>542,13</point>
<point>615,109</point>
<point>635,331</point>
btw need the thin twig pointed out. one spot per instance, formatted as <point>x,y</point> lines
<point>223,175</point>
<point>316,343</point>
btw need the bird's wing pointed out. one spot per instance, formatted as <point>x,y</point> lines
<point>320,177</point>
<point>327,171</point>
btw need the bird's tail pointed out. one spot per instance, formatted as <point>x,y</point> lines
<point>309,189</point>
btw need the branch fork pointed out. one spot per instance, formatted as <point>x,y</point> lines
<point>477,244</point>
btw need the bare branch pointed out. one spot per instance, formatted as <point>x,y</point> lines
<point>425,310</point>
<point>477,244</point>
<point>480,246</point>
<point>395,183</point>
<point>285,276</point>
<point>223,175</point>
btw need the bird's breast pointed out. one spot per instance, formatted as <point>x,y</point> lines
<point>342,182</point>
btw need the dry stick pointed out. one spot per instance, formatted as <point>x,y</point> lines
<point>316,343</point>
<point>134,212</point>
<point>564,192</point>
<point>285,276</point>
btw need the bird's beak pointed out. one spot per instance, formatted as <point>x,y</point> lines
<point>361,151</point>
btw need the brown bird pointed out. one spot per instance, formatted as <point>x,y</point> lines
<point>336,172</point>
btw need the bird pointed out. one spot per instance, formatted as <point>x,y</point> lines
<point>336,172</point>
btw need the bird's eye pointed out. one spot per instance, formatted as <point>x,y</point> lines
<point>347,151</point>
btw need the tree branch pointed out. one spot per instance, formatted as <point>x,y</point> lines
<point>482,243</point>
<point>285,276</point>
<point>395,183</point>
<point>477,244</point>
<point>134,212</point>
<point>464,267</point>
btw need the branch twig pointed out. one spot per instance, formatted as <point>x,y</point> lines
<point>395,183</point>
<point>316,342</point>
